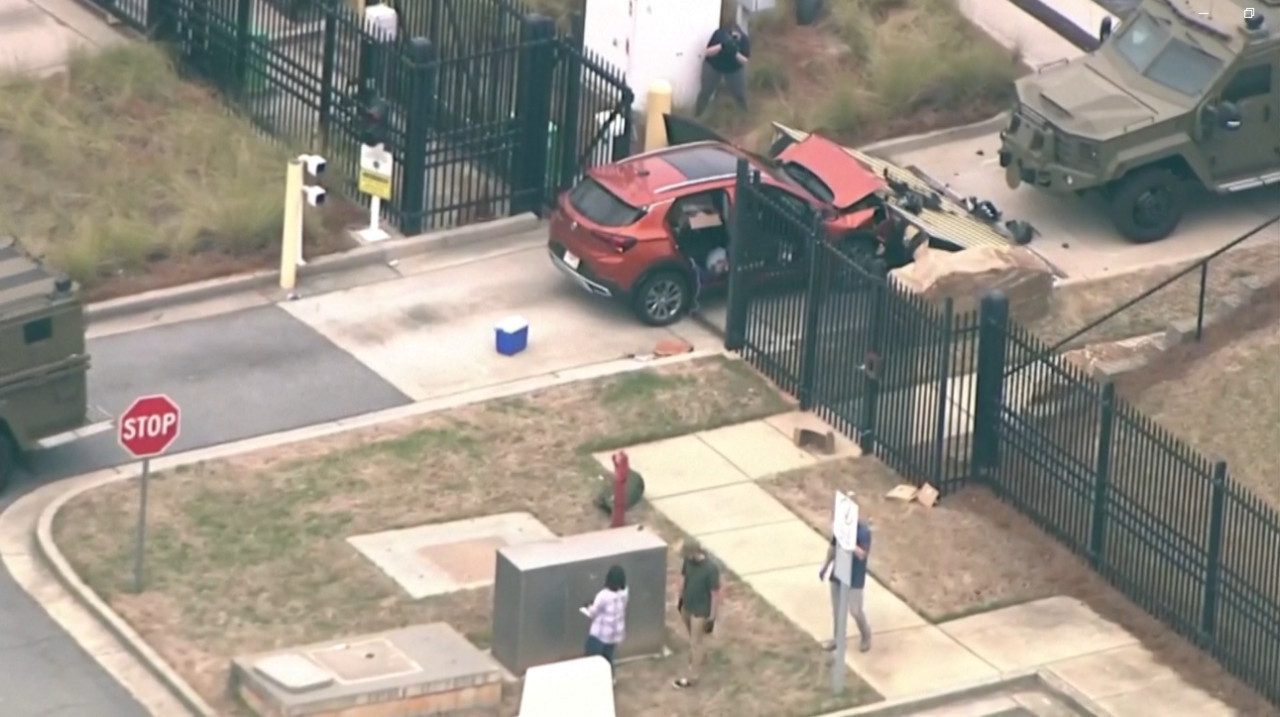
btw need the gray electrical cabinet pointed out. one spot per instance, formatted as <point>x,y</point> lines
<point>539,587</point>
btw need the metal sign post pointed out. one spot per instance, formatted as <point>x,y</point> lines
<point>842,570</point>
<point>147,428</point>
<point>845,528</point>
<point>141,548</point>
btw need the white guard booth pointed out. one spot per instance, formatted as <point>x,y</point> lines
<point>573,688</point>
<point>652,40</point>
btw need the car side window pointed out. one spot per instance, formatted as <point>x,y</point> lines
<point>1249,82</point>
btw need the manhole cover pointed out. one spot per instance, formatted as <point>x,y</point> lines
<point>368,660</point>
<point>466,561</point>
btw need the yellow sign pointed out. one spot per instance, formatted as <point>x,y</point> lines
<point>377,166</point>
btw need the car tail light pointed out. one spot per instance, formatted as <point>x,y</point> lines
<point>619,243</point>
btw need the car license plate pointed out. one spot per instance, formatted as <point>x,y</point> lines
<point>572,260</point>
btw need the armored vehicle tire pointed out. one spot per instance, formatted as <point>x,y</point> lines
<point>8,458</point>
<point>1147,205</point>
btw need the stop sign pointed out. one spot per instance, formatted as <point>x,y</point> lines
<point>149,426</point>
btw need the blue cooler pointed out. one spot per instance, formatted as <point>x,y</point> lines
<point>512,335</point>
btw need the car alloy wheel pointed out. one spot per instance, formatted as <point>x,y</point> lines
<point>664,300</point>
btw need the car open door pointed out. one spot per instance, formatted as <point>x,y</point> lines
<point>682,130</point>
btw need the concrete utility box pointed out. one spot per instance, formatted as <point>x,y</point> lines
<point>539,587</point>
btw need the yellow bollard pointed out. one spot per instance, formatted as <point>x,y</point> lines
<point>657,104</point>
<point>290,238</point>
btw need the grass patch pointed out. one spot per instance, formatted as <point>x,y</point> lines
<point>250,552</point>
<point>127,177</point>
<point>869,69</point>
<point>1078,304</point>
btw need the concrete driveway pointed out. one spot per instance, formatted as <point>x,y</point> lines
<point>1075,234</point>
<point>431,334</point>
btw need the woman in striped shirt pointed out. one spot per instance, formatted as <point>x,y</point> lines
<point>608,613</point>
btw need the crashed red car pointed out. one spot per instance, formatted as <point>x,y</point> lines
<point>652,230</point>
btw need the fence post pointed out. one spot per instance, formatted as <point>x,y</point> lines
<point>1213,571</point>
<point>622,143</point>
<point>243,40</point>
<point>568,127</point>
<point>944,402</point>
<point>413,195</point>
<point>988,400</point>
<point>533,112</point>
<point>735,322</point>
<point>812,312</point>
<point>160,20</point>
<point>328,67</point>
<point>1102,475</point>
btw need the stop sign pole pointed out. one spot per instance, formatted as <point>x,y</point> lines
<point>146,429</point>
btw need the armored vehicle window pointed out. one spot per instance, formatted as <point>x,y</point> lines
<point>1152,50</point>
<point>1250,82</point>
<point>37,331</point>
<point>1141,42</point>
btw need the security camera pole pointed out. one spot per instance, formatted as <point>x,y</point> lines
<point>296,191</point>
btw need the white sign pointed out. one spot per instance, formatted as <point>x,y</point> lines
<point>377,166</point>
<point>845,524</point>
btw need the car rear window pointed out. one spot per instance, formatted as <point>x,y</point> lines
<point>601,206</point>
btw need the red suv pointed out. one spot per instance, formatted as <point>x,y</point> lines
<point>652,230</point>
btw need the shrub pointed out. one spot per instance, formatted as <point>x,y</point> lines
<point>121,163</point>
<point>768,73</point>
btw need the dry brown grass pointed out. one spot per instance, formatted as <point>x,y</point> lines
<point>129,178</point>
<point>869,69</point>
<point>249,553</point>
<point>972,553</point>
<point>1077,304</point>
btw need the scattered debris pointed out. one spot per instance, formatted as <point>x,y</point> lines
<point>904,492</point>
<point>823,442</point>
<point>927,495</point>
<point>671,347</point>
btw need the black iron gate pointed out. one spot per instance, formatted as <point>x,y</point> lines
<point>490,110</point>
<point>874,360</point>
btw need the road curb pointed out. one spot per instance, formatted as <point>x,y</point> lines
<point>888,147</point>
<point>116,625</point>
<point>49,552</point>
<point>359,257</point>
<point>1031,678</point>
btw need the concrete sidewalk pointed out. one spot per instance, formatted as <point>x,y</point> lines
<point>38,36</point>
<point>706,483</point>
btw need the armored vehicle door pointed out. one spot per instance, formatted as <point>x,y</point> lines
<point>1240,156</point>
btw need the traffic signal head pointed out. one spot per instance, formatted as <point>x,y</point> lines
<point>375,122</point>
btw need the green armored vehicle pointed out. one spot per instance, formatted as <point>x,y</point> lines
<point>1184,94</point>
<point>43,364</point>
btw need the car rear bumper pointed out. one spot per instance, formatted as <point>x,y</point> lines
<point>591,286</point>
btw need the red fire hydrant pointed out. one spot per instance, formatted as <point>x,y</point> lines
<point>621,469</point>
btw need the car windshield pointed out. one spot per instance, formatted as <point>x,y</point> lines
<point>1150,48</point>
<point>801,175</point>
<point>601,206</point>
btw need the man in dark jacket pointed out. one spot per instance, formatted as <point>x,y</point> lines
<point>727,55</point>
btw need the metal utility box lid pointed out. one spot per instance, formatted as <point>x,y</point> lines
<point>25,284</point>
<point>581,547</point>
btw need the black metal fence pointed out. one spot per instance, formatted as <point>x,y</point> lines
<point>961,398</point>
<point>490,111</point>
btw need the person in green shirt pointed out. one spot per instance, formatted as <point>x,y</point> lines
<point>698,606</point>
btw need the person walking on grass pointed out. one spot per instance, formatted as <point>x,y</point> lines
<point>698,606</point>
<point>608,614</point>
<point>857,586</point>
<point>726,61</point>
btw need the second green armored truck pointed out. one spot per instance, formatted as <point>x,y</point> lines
<point>1183,96</point>
<point>43,363</point>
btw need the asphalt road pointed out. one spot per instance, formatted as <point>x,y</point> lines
<point>235,376</point>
